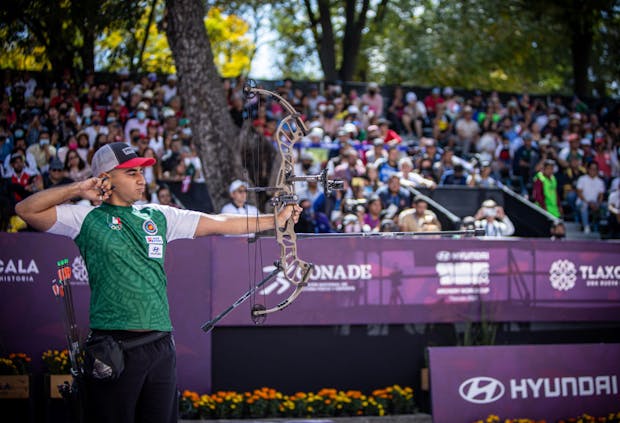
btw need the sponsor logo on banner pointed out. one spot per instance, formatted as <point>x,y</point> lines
<point>323,278</point>
<point>481,390</point>
<point>563,275</point>
<point>18,270</point>
<point>463,275</point>
<point>485,390</point>
<point>79,274</point>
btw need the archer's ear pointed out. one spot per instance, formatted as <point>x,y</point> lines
<point>104,175</point>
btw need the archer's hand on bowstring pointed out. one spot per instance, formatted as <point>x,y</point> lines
<point>96,190</point>
<point>290,211</point>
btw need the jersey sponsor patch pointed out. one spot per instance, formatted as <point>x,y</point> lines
<point>149,227</point>
<point>154,239</point>
<point>156,251</point>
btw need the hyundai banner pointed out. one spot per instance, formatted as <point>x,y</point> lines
<point>548,382</point>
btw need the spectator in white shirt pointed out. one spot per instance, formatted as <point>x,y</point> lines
<point>170,88</point>
<point>493,220</point>
<point>238,191</point>
<point>590,191</point>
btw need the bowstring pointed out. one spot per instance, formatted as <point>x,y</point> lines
<point>255,158</point>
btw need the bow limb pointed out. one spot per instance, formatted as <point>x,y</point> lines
<point>283,304</point>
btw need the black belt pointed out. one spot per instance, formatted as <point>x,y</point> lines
<point>143,340</point>
<point>133,341</point>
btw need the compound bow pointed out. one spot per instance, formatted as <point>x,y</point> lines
<point>290,130</point>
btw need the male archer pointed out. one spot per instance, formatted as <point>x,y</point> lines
<point>123,246</point>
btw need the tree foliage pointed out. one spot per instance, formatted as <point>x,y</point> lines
<point>56,35</point>
<point>59,35</point>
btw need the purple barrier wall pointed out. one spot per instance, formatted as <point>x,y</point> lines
<point>541,381</point>
<point>360,281</point>
<point>32,318</point>
<point>355,281</point>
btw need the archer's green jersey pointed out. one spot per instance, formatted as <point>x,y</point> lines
<point>124,250</point>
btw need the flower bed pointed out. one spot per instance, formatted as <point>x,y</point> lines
<point>269,403</point>
<point>584,418</point>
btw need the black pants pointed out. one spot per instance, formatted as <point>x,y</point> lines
<point>146,390</point>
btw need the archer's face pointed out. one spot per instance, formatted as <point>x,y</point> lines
<point>129,186</point>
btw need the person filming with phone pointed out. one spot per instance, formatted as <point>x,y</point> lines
<point>492,218</point>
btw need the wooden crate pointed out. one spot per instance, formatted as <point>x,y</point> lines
<point>14,386</point>
<point>54,381</point>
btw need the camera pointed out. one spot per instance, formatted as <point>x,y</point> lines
<point>354,206</point>
<point>489,212</point>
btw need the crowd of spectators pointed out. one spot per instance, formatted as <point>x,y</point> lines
<point>562,155</point>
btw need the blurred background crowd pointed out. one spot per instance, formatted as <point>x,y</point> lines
<point>385,143</point>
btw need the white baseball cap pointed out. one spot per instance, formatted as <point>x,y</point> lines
<point>236,184</point>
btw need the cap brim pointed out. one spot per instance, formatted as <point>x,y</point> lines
<point>137,162</point>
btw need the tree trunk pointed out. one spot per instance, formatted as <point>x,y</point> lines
<point>88,52</point>
<point>214,132</point>
<point>581,47</point>
<point>352,39</point>
<point>327,52</point>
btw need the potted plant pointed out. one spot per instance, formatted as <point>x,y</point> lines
<point>59,370</point>
<point>14,376</point>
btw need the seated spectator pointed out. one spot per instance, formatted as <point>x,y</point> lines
<point>468,223</point>
<point>372,216</point>
<point>484,179</point>
<point>373,99</point>
<point>351,167</point>
<point>372,180</point>
<point>42,151</point>
<point>165,197</point>
<point>238,191</point>
<point>29,161</point>
<point>545,189</point>
<point>21,181</point>
<point>467,131</point>
<point>525,160</point>
<point>493,220</point>
<point>415,219</point>
<point>455,176</point>
<point>389,166</point>
<point>414,115</point>
<point>567,180</point>
<point>389,135</point>
<point>558,230</point>
<point>83,146</point>
<point>590,191</point>
<point>76,168</point>
<point>396,108</point>
<point>55,175</point>
<point>377,152</point>
<point>6,145</point>
<point>388,225</point>
<point>311,221</point>
<point>351,224</point>
<point>409,178</point>
<point>394,195</point>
